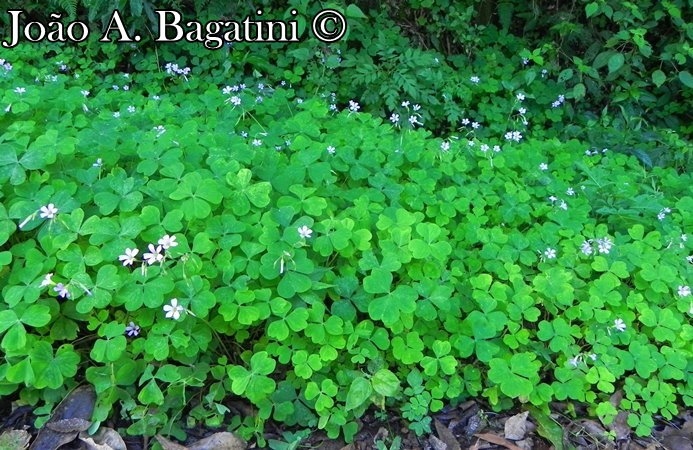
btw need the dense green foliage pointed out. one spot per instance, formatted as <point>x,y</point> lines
<point>325,229</point>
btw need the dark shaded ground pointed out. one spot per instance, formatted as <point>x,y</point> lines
<point>467,426</point>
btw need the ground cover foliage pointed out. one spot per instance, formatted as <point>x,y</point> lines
<point>325,229</point>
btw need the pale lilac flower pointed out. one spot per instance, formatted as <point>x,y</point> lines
<point>173,310</point>
<point>49,211</point>
<point>620,325</point>
<point>394,118</point>
<point>154,254</point>
<point>128,258</point>
<point>132,329</point>
<point>574,361</point>
<point>587,248</point>
<point>304,231</point>
<point>47,280</point>
<point>126,88</point>
<point>604,245</point>
<point>235,100</point>
<point>353,106</point>
<point>62,291</point>
<point>684,291</point>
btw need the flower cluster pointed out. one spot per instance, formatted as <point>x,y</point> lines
<point>154,255</point>
<point>663,213</point>
<point>414,114</point>
<point>172,68</point>
<point>559,102</point>
<point>603,246</point>
<point>580,357</point>
<point>513,136</point>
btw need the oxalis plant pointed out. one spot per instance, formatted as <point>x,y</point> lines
<point>175,242</point>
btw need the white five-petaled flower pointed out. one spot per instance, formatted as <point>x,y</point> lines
<point>620,325</point>
<point>173,310</point>
<point>49,211</point>
<point>20,90</point>
<point>445,146</point>
<point>330,149</point>
<point>543,166</point>
<point>570,192</point>
<point>47,280</point>
<point>62,291</point>
<point>304,231</point>
<point>132,329</point>
<point>520,96</point>
<point>550,253</point>
<point>684,291</point>
<point>154,254</point>
<point>474,79</point>
<point>128,258</point>
<point>167,242</point>
<point>394,118</point>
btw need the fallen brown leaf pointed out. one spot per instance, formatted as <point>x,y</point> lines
<point>492,438</point>
<point>516,426</point>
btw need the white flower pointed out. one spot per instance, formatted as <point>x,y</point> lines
<point>116,114</point>
<point>126,88</point>
<point>330,150</point>
<point>235,100</point>
<point>173,310</point>
<point>98,163</point>
<point>20,90</point>
<point>464,121</point>
<point>47,280</point>
<point>49,211</point>
<point>496,148</point>
<point>543,166</point>
<point>550,253</point>
<point>226,90</point>
<point>661,216</point>
<point>574,361</point>
<point>131,109</point>
<point>570,192</point>
<point>475,125</point>
<point>474,79</point>
<point>563,205</point>
<point>416,107</point>
<point>353,106</point>
<point>445,146</point>
<point>405,104</point>
<point>62,291</point>
<point>593,356</point>
<point>128,258</point>
<point>684,238</point>
<point>522,111</point>
<point>620,325</point>
<point>484,148</point>
<point>304,231</point>
<point>132,329</point>
<point>520,96</point>
<point>257,142</point>
<point>154,254</point>
<point>684,291</point>
<point>84,92</point>
<point>167,242</point>
<point>553,198</point>
<point>394,118</point>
